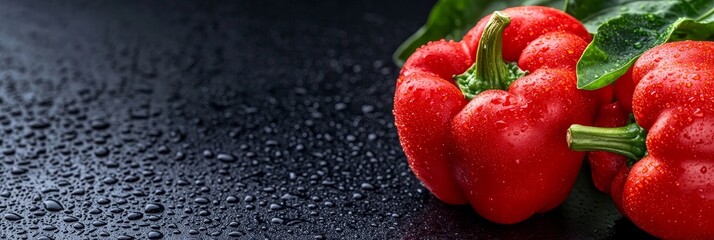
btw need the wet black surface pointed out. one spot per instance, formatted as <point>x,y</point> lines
<point>214,120</point>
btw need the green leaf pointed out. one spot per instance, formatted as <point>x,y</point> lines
<point>451,19</point>
<point>621,40</point>
<point>625,29</point>
<point>594,13</point>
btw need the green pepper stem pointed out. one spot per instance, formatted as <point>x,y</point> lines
<point>628,141</point>
<point>489,71</point>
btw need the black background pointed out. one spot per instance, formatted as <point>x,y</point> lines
<point>218,119</point>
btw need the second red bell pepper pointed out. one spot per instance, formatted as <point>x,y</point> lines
<point>669,191</point>
<point>605,165</point>
<point>491,136</point>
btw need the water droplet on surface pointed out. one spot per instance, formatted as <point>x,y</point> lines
<point>277,220</point>
<point>208,153</point>
<point>500,124</point>
<point>637,45</point>
<point>367,186</point>
<point>18,171</point>
<point>78,226</point>
<point>52,205</point>
<point>125,237</point>
<point>49,228</point>
<point>698,112</point>
<point>134,216</point>
<point>231,199</point>
<point>12,217</point>
<point>101,152</point>
<point>201,200</point>
<point>155,235</point>
<point>225,157</point>
<point>153,208</point>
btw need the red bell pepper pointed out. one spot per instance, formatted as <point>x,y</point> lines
<point>605,165</point>
<point>491,136</point>
<point>670,191</point>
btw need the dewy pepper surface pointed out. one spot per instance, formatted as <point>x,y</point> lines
<point>670,191</point>
<point>503,151</point>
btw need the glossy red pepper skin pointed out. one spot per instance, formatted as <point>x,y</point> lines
<point>670,191</point>
<point>504,152</point>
